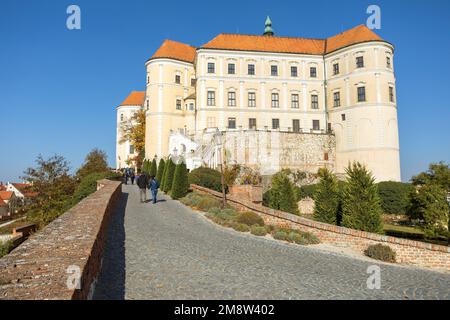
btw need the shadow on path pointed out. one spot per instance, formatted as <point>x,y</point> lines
<point>111,281</point>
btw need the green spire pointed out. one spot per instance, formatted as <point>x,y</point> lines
<point>268,31</point>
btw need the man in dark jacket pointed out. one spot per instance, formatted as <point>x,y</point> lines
<point>142,183</point>
<point>153,186</point>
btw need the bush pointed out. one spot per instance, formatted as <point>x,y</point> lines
<point>394,196</point>
<point>250,218</point>
<point>206,177</point>
<point>88,185</point>
<point>240,227</point>
<point>281,235</point>
<point>361,208</point>
<point>5,248</point>
<point>380,252</point>
<point>159,173</point>
<point>327,198</point>
<point>153,168</point>
<point>180,182</point>
<point>281,195</point>
<point>258,230</point>
<point>205,203</point>
<point>168,178</point>
<point>304,191</point>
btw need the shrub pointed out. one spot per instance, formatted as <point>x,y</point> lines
<point>327,198</point>
<point>280,235</point>
<point>258,230</point>
<point>159,173</point>
<point>88,185</point>
<point>250,218</point>
<point>205,203</point>
<point>304,191</point>
<point>394,196</point>
<point>206,177</point>
<point>361,207</point>
<point>153,168</point>
<point>180,182</point>
<point>240,227</point>
<point>5,248</point>
<point>380,252</point>
<point>168,179</point>
<point>281,195</point>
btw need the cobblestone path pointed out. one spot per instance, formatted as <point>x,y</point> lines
<point>167,251</point>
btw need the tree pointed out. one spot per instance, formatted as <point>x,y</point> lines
<point>153,168</point>
<point>169,176</point>
<point>206,177</point>
<point>159,173</point>
<point>95,162</point>
<point>327,198</point>
<point>437,173</point>
<point>134,132</point>
<point>180,185</point>
<point>164,175</point>
<point>428,203</point>
<point>361,205</point>
<point>281,196</point>
<point>394,196</point>
<point>54,186</point>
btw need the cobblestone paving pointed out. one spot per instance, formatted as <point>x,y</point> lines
<point>167,251</point>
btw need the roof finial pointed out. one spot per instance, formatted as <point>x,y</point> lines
<point>268,31</point>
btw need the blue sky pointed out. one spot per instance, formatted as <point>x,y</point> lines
<point>59,88</point>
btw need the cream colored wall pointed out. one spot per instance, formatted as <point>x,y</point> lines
<point>123,147</point>
<point>369,133</point>
<point>162,93</point>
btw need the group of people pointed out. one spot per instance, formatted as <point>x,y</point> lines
<point>128,173</point>
<point>145,182</point>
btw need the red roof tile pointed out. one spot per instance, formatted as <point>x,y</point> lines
<point>358,34</point>
<point>6,195</point>
<point>135,98</point>
<point>175,50</point>
<point>3,203</point>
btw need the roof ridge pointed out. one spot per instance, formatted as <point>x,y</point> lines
<point>257,35</point>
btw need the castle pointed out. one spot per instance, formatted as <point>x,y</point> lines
<point>271,102</point>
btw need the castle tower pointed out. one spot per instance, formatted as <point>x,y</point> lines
<point>170,85</point>
<point>362,104</point>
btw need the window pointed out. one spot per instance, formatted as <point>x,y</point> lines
<point>252,99</point>
<point>131,149</point>
<point>294,101</point>
<point>314,101</point>
<point>148,104</point>
<point>388,62</point>
<point>294,72</point>
<point>251,69</point>
<point>211,98</point>
<point>296,125</point>
<point>273,70</point>
<point>313,72</point>
<point>231,99</point>
<point>316,125</point>
<point>231,123</point>
<point>191,106</point>
<point>148,79</point>
<point>211,67</point>
<point>336,99</point>
<point>275,124</point>
<point>275,100</point>
<point>360,62</point>
<point>121,117</point>
<point>211,122</point>
<point>178,104</point>
<point>231,68</point>
<point>252,123</point>
<point>193,82</point>
<point>177,79</point>
<point>335,68</point>
<point>343,117</point>
<point>391,94</point>
<point>361,94</point>
<point>325,156</point>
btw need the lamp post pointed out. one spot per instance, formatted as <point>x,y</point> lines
<point>220,143</point>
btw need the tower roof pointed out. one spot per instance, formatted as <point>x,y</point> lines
<point>268,31</point>
<point>135,98</point>
<point>175,50</point>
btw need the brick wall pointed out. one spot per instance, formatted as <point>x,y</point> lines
<point>38,269</point>
<point>408,251</point>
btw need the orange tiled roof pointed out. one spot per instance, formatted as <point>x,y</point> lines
<point>3,203</point>
<point>135,98</point>
<point>175,50</point>
<point>292,45</point>
<point>6,195</point>
<point>21,186</point>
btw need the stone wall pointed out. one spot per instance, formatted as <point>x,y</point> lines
<point>408,252</point>
<point>72,244</point>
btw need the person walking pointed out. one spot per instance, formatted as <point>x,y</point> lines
<point>125,176</point>
<point>142,182</point>
<point>132,176</point>
<point>154,186</point>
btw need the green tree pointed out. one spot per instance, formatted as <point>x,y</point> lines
<point>153,168</point>
<point>164,175</point>
<point>95,162</point>
<point>159,173</point>
<point>361,206</point>
<point>281,195</point>
<point>206,177</point>
<point>54,187</point>
<point>327,198</point>
<point>428,203</point>
<point>180,182</point>
<point>437,173</point>
<point>394,196</point>
<point>169,176</point>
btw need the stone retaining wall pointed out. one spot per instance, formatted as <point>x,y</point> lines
<point>69,246</point>
<point>408,251</point>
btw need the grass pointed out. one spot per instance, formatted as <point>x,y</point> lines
<point>412,233</point>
